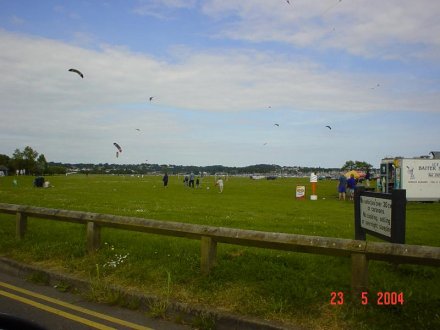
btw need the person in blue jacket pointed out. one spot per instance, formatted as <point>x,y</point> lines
<point>351,186</point>
<point>342,186</point>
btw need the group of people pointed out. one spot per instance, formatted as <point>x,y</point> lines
<point>189,181</point>
<point>346,186</point>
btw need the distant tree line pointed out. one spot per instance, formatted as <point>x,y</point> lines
<point>30,162</point>
<point>34,163</point>
<point>26,161</point>
<point>128,169</point>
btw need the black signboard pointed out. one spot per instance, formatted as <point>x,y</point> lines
<point>381,215</point>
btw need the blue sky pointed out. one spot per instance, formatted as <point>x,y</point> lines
<point>222,73</point>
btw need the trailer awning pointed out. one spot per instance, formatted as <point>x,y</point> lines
<point>435,154</point>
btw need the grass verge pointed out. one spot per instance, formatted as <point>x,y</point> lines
<point>273,285</point>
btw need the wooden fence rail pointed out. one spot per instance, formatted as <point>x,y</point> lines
<point>359,251</point>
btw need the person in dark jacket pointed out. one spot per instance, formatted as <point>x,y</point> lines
<point>368,177</point>
<point>165,180</point>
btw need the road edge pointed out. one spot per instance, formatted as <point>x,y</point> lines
<point>185,313</point>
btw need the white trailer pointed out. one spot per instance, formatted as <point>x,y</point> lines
<point>420,177</point>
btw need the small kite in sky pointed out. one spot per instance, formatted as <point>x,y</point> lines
<point>277,125</point>
<point>119,149</point>
<point>264,143</point>
<point>77,71</point>
<point>328,127</point>
<point>151,98</point>
<point>288,1</point>
<point>138,129</point>
<point>377,86</point>
<point>117,146</point>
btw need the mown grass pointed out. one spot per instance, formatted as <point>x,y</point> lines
<point>290,287</point>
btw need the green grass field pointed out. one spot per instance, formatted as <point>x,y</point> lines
<point>290,287</point>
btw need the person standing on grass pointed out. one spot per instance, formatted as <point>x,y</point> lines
<point>191,180</point>
<point>351,186</point>
<point>219,183</point>
<point>367,177</point>
<point>165,180</point>
<point>342,186</point>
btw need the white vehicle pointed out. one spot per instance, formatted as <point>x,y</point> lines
<point>420,177</point>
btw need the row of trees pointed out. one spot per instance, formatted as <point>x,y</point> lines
<point>175,169</point>
<point>356,165</point>
<point>27,159</point>
<point>34,163</point>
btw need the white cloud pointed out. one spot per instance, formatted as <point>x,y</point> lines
<point>392,29</point>
<point>35,76</point>
<point>72,119</point>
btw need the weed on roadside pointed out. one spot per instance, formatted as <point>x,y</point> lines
<point>204,321</point>
<point>158,308</point>
<point>38,277</point>
<point>63,286</point>
<point>101,291</point>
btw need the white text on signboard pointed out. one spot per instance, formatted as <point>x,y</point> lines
<point>376,214</point>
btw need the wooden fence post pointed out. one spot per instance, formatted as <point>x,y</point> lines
<point>20,225</point>
<point>359,274</point>
<point>93,237</point>
<point>208,254</point>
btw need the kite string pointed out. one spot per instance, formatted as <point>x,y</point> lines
<point>330,8</point>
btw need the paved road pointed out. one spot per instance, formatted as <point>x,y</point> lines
<point>56,310</point>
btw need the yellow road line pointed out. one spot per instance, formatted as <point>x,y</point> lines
<point>75,308</point>
<point>56,311</point>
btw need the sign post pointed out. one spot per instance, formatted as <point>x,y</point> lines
<point>380,215</point>
<point>313,181</point>
<point>300,192</point>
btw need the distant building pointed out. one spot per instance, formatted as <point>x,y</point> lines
<point>435,154</point>
<point>4,170</point>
